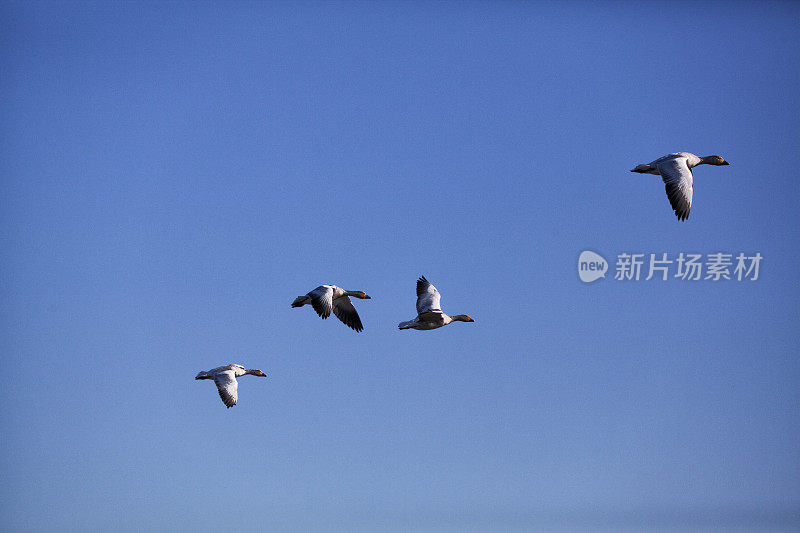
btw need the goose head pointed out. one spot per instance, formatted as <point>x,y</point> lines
<point>359,294</point>
<point>714,160</point>
<point>258,373</point>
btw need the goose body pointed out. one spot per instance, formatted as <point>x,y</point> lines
<point>327,298</point>
<point>429,312</point>
<point>225,379</point>
<point>676,171</point>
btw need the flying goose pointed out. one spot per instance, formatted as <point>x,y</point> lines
<point>676,171</point>
<point>327,298</point>
<point>225,378</point>
<point>429,312</point>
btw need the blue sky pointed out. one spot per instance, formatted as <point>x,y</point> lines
<point>174,174</point>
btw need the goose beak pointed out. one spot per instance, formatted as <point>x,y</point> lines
<point>725,163</point>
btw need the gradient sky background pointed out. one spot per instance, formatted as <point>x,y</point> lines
<point>173,175</point>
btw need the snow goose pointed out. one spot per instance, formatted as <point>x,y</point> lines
<point>676,171</point>
<point>225,378</point>
<point>327,298</point>
<point>429,312</point>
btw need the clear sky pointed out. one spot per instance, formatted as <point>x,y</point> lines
<point>173,175</point>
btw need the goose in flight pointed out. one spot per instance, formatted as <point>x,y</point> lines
<point>429,312</point>
<point>676,171</point>
<point>327,298</point>
<point>225,378</point>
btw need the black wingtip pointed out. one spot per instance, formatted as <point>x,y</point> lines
<point>681,216</point>
<point>356,325</point>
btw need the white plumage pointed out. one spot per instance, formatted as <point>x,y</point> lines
<point>327,298</point>
<point>429,312</point>
<point>676,171</point>
<point>225,378</point>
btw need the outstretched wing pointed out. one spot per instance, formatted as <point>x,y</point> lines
<point>322,300</point>
<point>428,298</point>
<point>227,387</point>
<point>344,311</point>
<point>677,178</point>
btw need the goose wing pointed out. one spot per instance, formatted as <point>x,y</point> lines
<point>227,386</point>
<point>322,300</point>
<point>428,298</point>
<point>344,311</point>
<point>677,178</point>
